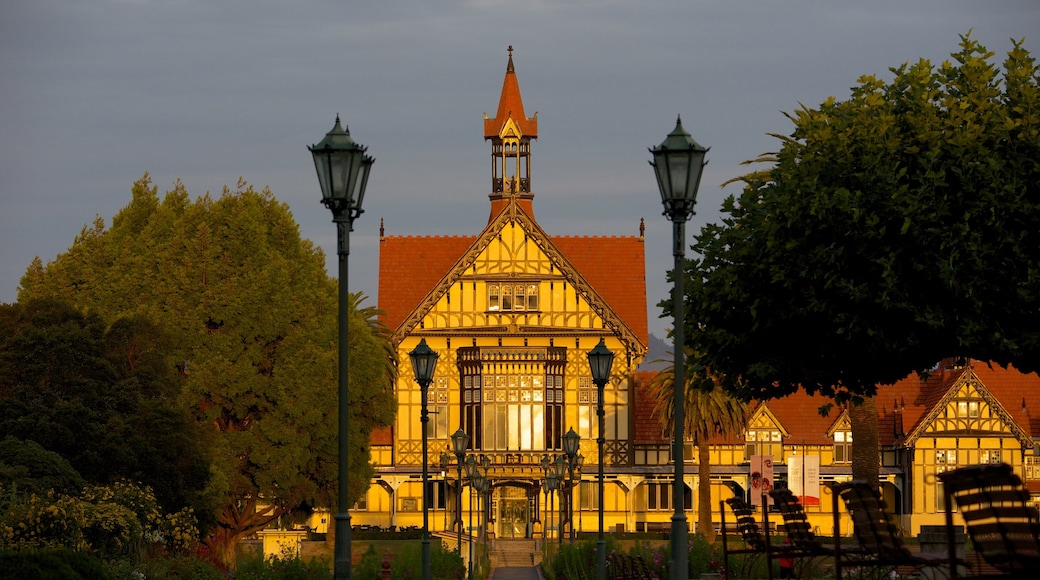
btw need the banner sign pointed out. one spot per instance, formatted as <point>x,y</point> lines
<point>761,479</point>
<point>803,478</point>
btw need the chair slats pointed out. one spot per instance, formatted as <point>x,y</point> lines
<point>1003,527</point>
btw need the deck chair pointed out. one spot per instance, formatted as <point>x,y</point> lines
<point>756,539</point>
<point>876,533</point>
<point>755,544</point>
<point>804,545</point>
<point>1001,524</point>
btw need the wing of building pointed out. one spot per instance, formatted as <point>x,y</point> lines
<point>512,311</point>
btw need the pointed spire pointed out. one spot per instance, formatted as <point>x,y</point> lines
<point>510,105</point>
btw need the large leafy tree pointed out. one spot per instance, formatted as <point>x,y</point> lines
<point>254,316</point>
<point>893,228</point>
<point>100,397</point>
<point>709,412</point>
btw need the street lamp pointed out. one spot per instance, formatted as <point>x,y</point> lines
<point>678,162</point>
<point>471,473</point>
<point>424,360</point>
<point>601,359</point>
<point>551,484</point>
<point>342,167</point>
<point>459,443</point>
<point>560,471</point>
<point>570,449</point>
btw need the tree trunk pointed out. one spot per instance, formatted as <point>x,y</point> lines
<point>704,521</point>
<point>235,524</point>
<point>866,461</point>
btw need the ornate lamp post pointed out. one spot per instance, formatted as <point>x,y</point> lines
<point>570,449</point>
<point>424,360</point>
<point>601,359</point>
<point>471,473</point>
<point>560,471</point>
<point>342,167</point>
<point>679,162</point>
<point>551,485</point>
<point>459,443</point>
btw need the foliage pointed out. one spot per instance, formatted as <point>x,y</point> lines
<point>28,467</point>
<point>51,565</point>
<point>406,563</point>
<point>101,397</point>
<point>289,566</point>
<point>252,315</point>
<point>578,561</point>
<point>167,567</point>
<point>893,229</point>
<point>110,522</point>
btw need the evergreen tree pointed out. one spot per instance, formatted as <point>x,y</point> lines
<point>253,316</point>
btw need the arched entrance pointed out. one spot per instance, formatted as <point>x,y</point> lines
<point>514,510</point>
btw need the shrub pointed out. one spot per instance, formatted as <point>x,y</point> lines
<point>51,565</point>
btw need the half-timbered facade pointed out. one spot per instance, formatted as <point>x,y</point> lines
<point>512,311</point>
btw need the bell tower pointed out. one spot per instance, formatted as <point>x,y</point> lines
<point>510,133</point>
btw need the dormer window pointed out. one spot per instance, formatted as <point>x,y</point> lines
<point>507,297</point>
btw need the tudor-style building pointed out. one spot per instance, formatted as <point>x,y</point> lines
<point>512,312</point>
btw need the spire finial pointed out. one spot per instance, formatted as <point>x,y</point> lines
<point>509,68</point>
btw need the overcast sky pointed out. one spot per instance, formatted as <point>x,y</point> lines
<point>94,93</point>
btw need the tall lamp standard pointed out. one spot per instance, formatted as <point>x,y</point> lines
<point>342,167</point>
<point>471,474</point>
<point>601,359</point>
<point>424,360</point>
<point>570,449</point>
<point>560,470</point>
<point>679,162</point>
<point>459,443</point>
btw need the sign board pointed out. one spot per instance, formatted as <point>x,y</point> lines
<point>803,478</point>
<point>761,479</point>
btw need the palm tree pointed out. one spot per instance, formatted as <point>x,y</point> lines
<point>710,412</point>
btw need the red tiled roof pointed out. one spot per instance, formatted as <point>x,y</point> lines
<point>647,425</point>
<point>1018,393</point>
<point>410,266</point>
<point>620,281</point>
<point>798,413</point>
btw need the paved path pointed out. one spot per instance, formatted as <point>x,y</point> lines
<point>531,573</point>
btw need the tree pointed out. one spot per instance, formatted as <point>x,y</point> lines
<point>893,229</point>
<point>709,412</point>
<point>253,316</point>
<point>66,385</point>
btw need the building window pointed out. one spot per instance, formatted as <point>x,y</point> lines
<point>588,495</point>
<point>587,396</point>
<point>437,405</point>
<point>842,447</point>
<point>989,456</point>
<point>659,497</point>
<point>1032,467</point>
<point>968,409</point>
<point>362,503</point>
<point>512,297</point>
<point>946,457</point>
<point>767,442</point>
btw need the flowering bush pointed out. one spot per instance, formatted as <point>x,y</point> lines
<point>114,521</point>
